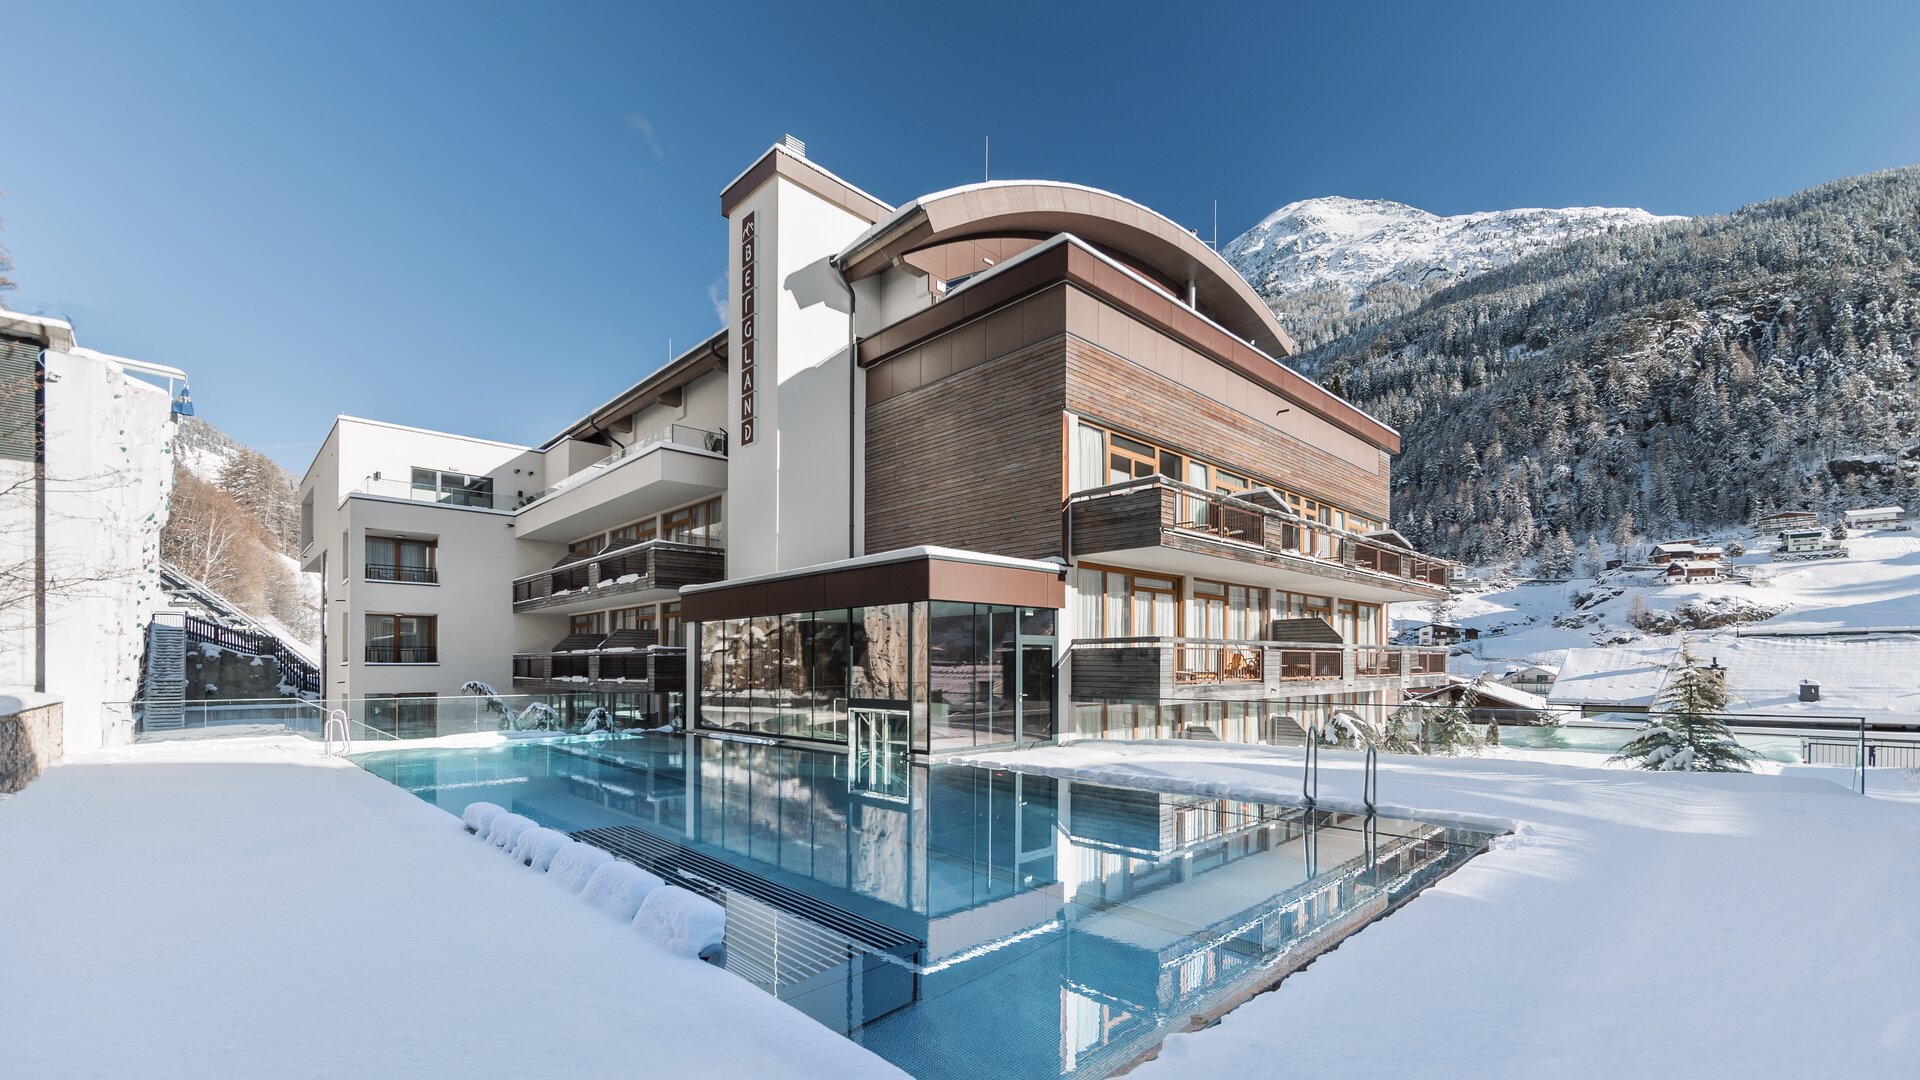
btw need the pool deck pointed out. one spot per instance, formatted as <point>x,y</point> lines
<point>1635,924</point>
<point>248,907</point>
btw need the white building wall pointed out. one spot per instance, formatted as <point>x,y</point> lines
<point>790,497</point>
<point>109,487</point>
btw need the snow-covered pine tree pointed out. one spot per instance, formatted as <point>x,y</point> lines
<point>1449,728</point>
<point>1685,732</point>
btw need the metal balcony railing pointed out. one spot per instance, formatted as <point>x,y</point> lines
<point>412,575</point>
<point>403,654</point>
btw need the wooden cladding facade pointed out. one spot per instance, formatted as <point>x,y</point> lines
<point>971,460</point>
<point>965,436</point>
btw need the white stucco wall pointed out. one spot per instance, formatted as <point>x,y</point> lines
<point>110,481</point>
<point>789,488</point>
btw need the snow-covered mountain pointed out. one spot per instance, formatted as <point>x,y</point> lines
<point>1326,264</point>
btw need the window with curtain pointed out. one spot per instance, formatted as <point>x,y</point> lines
<point>393,559</point>
<point>1122,603</point>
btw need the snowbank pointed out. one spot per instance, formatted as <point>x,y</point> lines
<point>682,921</point>
<point>478,816</point>
<point>537,847</point>
<point>619,888</point>
<point>114,862</point>
<point>575,863</point>
<point>505,829</point>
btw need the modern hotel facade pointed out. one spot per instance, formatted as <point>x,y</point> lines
<point>1009,463</point>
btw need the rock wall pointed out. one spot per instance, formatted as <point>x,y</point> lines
<point>30,740</point>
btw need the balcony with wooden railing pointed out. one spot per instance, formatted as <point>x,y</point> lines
<point>625,661</point>
<point>1154,517</point>
<point>1155,669</point>
<point>653,566</point>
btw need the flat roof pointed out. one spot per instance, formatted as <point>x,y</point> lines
<point>903,575</point>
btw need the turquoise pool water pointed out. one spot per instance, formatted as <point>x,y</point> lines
<point>960,921</point>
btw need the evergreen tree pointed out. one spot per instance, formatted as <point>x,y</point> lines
<point>1685,732</point>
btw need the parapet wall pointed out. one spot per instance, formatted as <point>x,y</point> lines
<point>31,739</point>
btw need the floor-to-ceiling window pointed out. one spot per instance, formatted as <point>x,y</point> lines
<point>929,676</point>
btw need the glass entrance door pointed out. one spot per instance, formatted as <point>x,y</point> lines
<point>1034,689</point>
<point>880,741</point>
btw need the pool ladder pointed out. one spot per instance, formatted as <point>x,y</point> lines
<point>1310,773</point>
<point>337,727</point>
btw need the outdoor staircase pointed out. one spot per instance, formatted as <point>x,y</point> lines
<point>165,678</point>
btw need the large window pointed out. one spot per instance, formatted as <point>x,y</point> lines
<point>414,562</point>
<point>402,639</point>
<point>459,489</point>
<point>933,676</point>
<point>1126,603</point>
<point>697,524</point>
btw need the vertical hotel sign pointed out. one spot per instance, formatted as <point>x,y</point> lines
<point>749,339</point>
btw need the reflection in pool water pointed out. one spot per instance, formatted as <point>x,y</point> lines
<point>962,921</point>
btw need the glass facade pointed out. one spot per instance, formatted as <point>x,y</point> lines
<point>889,678</point>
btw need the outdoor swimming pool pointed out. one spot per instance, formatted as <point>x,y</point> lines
<point>962,921</point>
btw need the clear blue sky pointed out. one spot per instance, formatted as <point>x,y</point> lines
<point>485,217</point>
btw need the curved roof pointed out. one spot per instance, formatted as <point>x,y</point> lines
<point>1044,208</point>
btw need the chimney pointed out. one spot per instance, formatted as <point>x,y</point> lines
<point>793,146</point>
<point>1809,690</point>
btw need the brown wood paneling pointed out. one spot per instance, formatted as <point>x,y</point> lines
<point>972,461</point>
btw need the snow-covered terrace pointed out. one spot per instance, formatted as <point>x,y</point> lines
<point>1635,924</point>
<point>252,908</point>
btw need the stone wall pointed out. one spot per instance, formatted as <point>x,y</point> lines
<point>30,740</point>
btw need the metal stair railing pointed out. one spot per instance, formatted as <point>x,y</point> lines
<point>336,728</point>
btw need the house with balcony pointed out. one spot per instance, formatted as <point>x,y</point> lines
<point>999,464</point>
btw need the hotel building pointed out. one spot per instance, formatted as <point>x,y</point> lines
<point>1011,462</point>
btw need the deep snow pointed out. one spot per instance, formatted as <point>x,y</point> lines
<point>251,908</point>
<point>1636,924</point>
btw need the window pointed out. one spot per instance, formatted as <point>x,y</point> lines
<point>457,489</point>
<point>1105,457</point>
<point>1123,603</point>
<point>629,535</point>
<point>590,623</point>
<point>633,618</point>
<point>402,639</point>
<point>390,558</point>
<point>698,524</point>
<point>670,623</point>
<point>592,545</point>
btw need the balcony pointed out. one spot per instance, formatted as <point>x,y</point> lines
<point>403,654</point>
<point>625,661</point>
<point>406,575</point>
<point>650,570</point>
<point>1169,669</point>
<point>390,488</point>
<point>657,472</point>
<point>1161,524</point>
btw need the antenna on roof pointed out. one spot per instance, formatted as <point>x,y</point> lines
<point>986,158</point>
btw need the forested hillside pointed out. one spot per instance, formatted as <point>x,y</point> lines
<point>1647,380</point>
<point>234,526</point>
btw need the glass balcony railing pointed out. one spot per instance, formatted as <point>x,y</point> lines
<point>682,435</point>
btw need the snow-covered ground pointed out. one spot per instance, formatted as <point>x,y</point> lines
<point>1876,587</point>
<point>251,908</point>
<point>1635,924</point>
